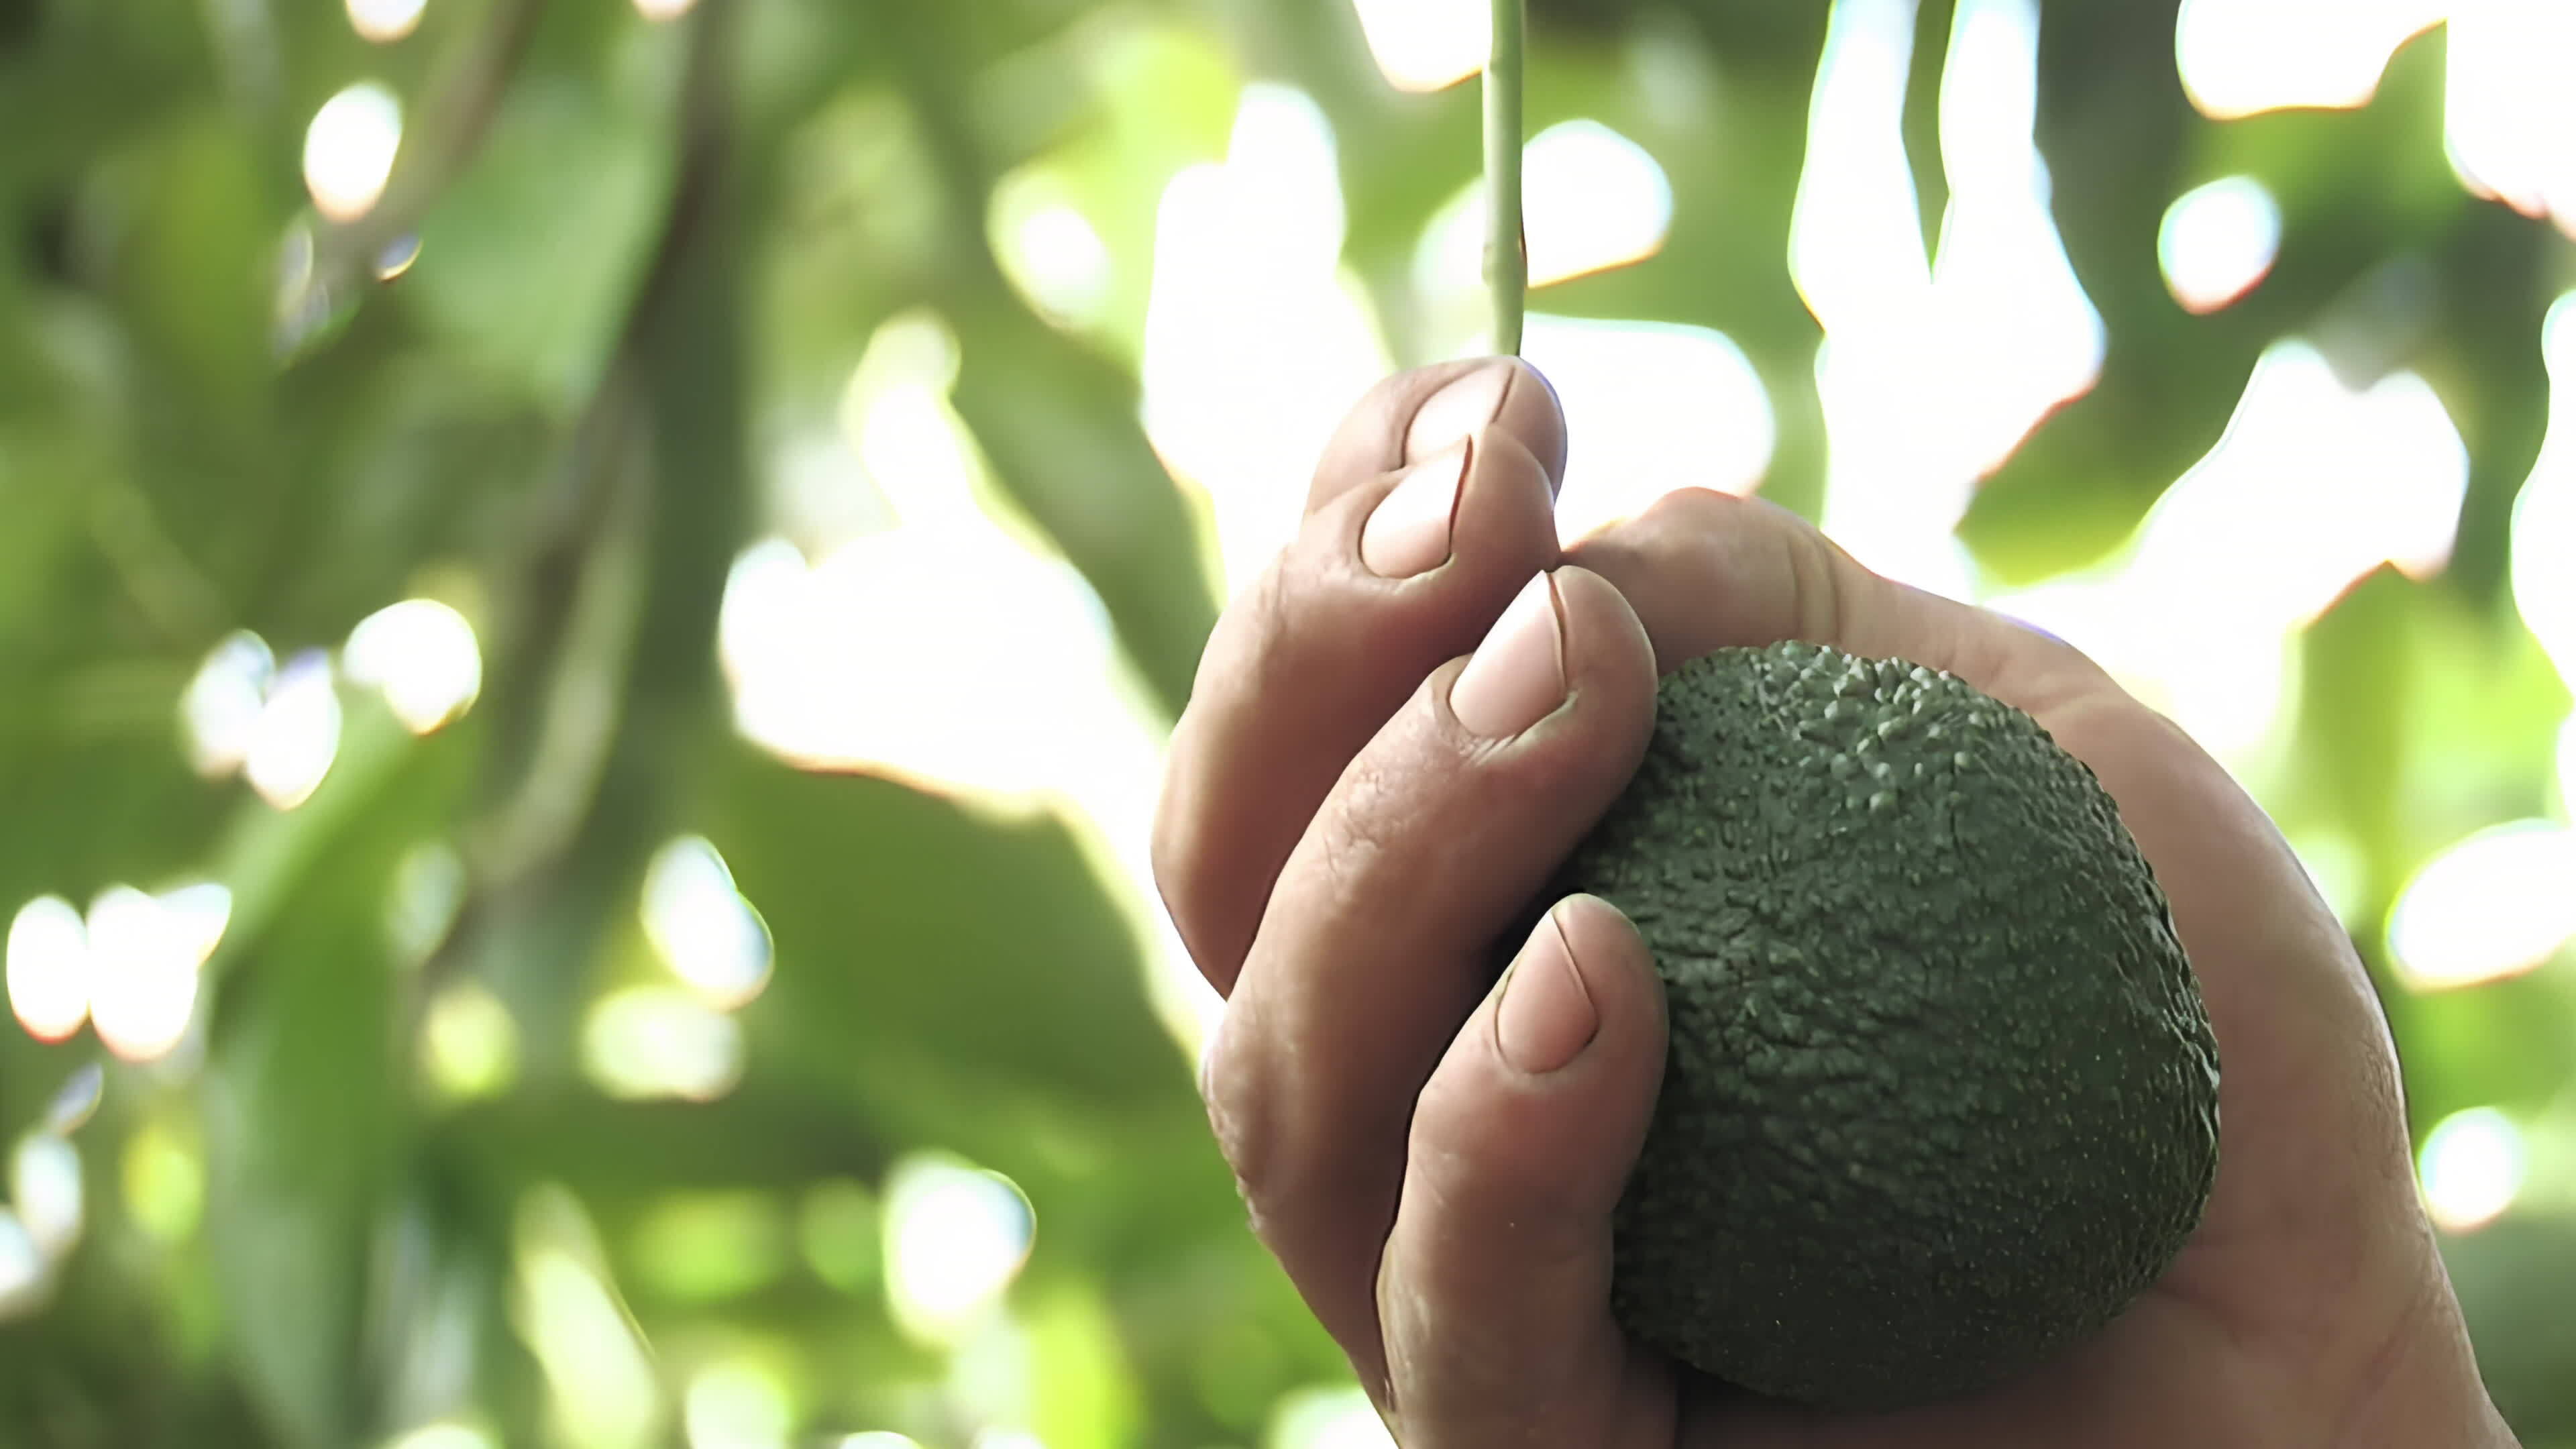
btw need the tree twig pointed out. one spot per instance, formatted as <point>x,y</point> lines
<point>1507,250</point>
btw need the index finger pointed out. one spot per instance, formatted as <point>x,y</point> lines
<point>1307,664</point>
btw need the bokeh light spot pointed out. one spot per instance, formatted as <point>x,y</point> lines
<point>1257,340</point>
<point>428,893</point>
<point>2241,57</point>
<point>443,1436</point>
<point>2544,511</point>
<point>704,1247</point>
<point>1337,1418</point>
<point>1659,406</point>
<point>2494,905</point>
<point>349,150</point>
<point>385,21</point>
<point>397,256</point>
<point>955,1238</point>
<point>2471,1168</point>
<point>49,985</point>
<point>602,1390</point>
<point>143,960</point>
<point>737,1406</point>
<point>2509,113</point>
<point>1427,45</point>
<point>2567,767</point>
<point>221,708</point>
<point>199,912</point>
<point>704,930</point>
<point>24,1274</point>
<point>1593,200</point>
<point>469,1043</point>
<point>45,1187</point>
<point>423,655</point>
<point>76,1100</point>
<point>298,734</point>
<point>2217,241</point>
<point>659,10</point>
<point>643,1042</point>
<point>164,1180</point>
<point>1049,247</point>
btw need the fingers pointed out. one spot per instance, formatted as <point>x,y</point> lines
<point>1413,415</point>
<point>1709,571</point>
<point>2313,1132</point>
<point>1495,1287</point>
<point>1378,940</point>
<point>1433,506</point>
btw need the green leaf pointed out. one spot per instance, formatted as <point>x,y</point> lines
<point>527,265</point>
<point>1060,424</point>
<point>305,1101</point>
<point>922,948</point>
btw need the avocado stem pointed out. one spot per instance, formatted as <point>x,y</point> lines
<point>1507,249</point>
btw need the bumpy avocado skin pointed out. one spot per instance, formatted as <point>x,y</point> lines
<point>1941,1095</point>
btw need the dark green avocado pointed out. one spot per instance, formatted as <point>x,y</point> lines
<point>1942,1096</point>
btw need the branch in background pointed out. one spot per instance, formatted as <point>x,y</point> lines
<point>1507,247</point>
<point>616,666</point>
<point>175,596</point>
<point>443,138</point>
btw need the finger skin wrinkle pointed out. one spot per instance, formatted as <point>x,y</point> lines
<point>1815,584</point>
<point>1308,664</point>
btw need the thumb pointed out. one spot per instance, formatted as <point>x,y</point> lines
<point>1494,1292</point>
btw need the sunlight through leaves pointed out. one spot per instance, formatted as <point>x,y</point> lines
<point>349,150</point>
<point>144,956</point>
<point>737,1406</point>
<point>2495,905</point>
<point>643,1042</point>
<point>298,733</point>
<point>2217,241</point>
<point>1427,45</point>
<point>48,967</point>
<point>45,1188</point>
<point>221,708</point>
<point>2471,1168</point>
<point>704,930</point>
<point>469,1043</point>
<point>385,21</point>
<point>955,1238</point>
<point>422,655</point>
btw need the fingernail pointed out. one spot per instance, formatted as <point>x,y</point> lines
<point>1408,533</point>
<point>1547,1017</point>
<point>1517,676</point>
<point>1455,412</point>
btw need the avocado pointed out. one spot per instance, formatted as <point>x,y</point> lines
<point>1941,1097</point>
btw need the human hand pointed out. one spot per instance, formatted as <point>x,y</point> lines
<point>1354,814</point>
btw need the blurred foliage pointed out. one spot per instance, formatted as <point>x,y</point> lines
<point>649,248</point>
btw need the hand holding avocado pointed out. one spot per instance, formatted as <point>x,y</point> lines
<point>1397,740</point>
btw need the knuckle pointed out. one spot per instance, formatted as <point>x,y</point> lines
<point>1821,579</point>
<point>1358,831</point>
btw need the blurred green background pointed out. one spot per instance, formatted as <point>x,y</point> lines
<point>590,593</point>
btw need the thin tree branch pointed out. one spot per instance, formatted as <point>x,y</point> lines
<point>1507,251</point>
